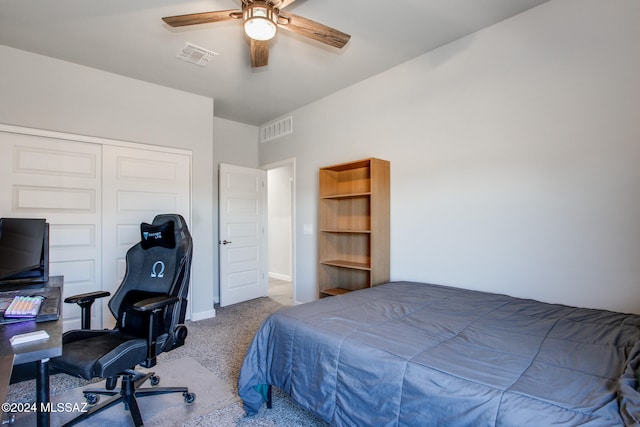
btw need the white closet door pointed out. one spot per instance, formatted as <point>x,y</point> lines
<point>60,180</point>
<point>138,184</point>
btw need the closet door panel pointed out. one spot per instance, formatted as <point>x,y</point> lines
<point>138,185</point>
<point>59,180</point>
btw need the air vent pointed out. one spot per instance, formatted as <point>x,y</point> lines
<point>196,54</point>
<point>277,129</point>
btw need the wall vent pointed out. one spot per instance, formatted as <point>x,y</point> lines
<point>196,54</point>
<point>277,129</point>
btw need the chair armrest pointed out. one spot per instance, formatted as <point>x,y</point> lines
<point>85,301</point>
<point>151,304</point>
<point>88,297</point>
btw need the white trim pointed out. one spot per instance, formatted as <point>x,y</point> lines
<point>92,139</point>
<point>202,315</point>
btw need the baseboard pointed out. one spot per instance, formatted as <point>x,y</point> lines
<point>202,315</point>
<point>280,277</point>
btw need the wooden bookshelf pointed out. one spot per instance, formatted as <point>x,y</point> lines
<point>353,226</point>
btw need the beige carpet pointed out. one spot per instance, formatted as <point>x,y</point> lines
<point>211,392</point>
<point>219,345</point>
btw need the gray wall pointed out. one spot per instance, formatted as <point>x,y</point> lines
<point>514,157</point>
<point>45,93</point>
<point>513,152</point>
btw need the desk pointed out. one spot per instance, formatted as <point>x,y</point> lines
<point>6,365</point>
<point>39,351</point>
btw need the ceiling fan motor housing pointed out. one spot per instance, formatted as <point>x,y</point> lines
<point>260,19</point>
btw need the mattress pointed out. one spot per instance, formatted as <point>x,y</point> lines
<point>408,353</point>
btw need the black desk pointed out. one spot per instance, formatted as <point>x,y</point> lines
<point>39,351</point>
<point>6,365</point>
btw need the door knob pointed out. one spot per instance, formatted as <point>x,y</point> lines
<point>225,242</point>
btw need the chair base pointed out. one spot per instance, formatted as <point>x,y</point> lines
<point>127,394</point>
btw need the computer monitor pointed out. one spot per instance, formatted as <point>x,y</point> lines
<point>24,251</point>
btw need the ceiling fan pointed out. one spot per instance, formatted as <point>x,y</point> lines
<point>262,18</point>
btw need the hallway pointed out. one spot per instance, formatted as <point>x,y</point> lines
<point>281,291</point>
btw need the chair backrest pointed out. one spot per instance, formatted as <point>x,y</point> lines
<point>159,264</point>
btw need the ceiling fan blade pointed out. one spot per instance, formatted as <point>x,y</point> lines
<point>284,4</point>
<point>313,30</point>
<point>201,18</point>
<point>259,53</point>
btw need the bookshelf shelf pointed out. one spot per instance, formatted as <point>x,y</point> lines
<point>354,226</point>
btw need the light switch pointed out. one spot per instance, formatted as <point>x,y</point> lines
<point>307,228</point>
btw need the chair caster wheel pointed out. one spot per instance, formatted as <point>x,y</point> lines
<point>91,399</point>
<point>189,398</point>
<point>111,383</point>
<point>154,380</point>
<point>8,419</point>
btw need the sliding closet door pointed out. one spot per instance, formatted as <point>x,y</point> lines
<point>94,193</point>
<point>60,180</point>
<point>138,184</point>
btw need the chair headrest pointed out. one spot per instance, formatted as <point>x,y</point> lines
<point>163,231</point>
<point>157,235</point>
<point>176,218</point>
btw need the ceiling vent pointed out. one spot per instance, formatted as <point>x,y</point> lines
<point>196,54</point>
<point>276,129</point>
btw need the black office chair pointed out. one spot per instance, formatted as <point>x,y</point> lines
<point>149,306</point>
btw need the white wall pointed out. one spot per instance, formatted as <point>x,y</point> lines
<point>236,143</point>
<point>514,157</point>
<point>279,202</point>
<point>45,93</point>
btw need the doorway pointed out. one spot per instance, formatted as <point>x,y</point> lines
<point>281,226</point>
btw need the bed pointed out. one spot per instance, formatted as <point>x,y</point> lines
<point>409,353</point>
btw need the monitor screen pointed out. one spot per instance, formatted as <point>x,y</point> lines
<point>24,250</point>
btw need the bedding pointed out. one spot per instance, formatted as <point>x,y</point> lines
<point>409,353</point>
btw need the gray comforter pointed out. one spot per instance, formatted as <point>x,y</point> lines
<point>425,355</point>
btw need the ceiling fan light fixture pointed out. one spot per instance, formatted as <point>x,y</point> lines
<point>260,21</point>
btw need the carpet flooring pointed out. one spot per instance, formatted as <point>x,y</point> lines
<point>218,345</point>
<point>164,410</point>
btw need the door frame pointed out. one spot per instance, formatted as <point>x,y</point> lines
<point>286,162</point>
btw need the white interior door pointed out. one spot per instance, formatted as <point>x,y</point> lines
<point>242,230</point>
<point>138,184</point>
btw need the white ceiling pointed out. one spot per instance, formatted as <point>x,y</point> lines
<point>128,37</point>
